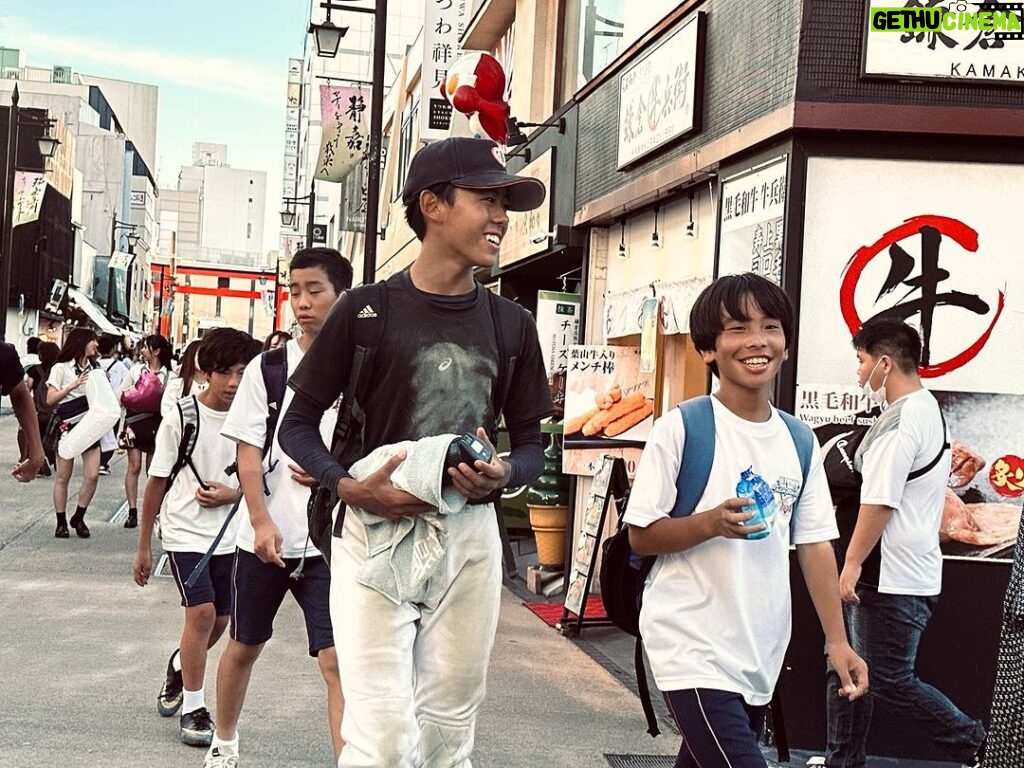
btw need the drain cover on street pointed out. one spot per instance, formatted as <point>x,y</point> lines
<point>641,761</point>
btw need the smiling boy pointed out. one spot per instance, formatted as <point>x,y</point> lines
<point>414,672</point>
<point>715,619</point>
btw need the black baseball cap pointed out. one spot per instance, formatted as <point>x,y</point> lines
<point>470,164</point>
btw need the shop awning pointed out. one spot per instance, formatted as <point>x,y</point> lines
<point>94,313</point>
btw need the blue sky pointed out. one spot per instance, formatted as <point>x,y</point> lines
<point>221,66</point>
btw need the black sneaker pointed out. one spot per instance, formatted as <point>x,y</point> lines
<point>197,728</point>
<point>169,701</point>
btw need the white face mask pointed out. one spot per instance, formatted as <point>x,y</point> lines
<point>875,396</point>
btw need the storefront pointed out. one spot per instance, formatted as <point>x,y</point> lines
<point>786,153</point>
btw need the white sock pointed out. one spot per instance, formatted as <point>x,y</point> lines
<point>225,745</point>
<point>176,661</point>
<point>192,700</point>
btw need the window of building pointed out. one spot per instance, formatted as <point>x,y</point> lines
<point>598,31</point>
<point>248,230</point>
<point>410,120</point>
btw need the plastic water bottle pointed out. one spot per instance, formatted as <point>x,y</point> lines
<point>753,486</point>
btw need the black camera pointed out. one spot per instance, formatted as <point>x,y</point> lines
<point>465,449</point>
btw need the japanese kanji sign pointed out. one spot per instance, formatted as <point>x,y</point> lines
<point>932,243</point>
<point>971,43</point>
<point>29,189</point>
<point>751,224</point>
<point>659,96</point>
<point>444,23</point>
<point>345,140</point>
<point>558,327</point>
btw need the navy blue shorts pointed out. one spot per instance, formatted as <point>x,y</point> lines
<point>213,586</point>
<point>259,588</point>
<point>719,729</point>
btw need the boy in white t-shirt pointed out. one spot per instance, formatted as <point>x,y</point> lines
<point>275,555</point>
<point>716,614</point>
<point>192,509</point>
<point>892,573</point>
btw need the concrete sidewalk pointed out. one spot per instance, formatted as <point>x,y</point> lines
<point>83,653</point>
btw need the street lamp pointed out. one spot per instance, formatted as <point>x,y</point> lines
<point>47,147</point>
<point>288,212</point>
<point>327,37</point>
<point>132,238</point>
<point>380,17</point>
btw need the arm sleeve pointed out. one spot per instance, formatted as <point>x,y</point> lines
<point>299,436</point>
<point>886,466</point>
<point>527,454</point>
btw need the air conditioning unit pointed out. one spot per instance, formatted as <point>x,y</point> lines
<point>62,74</point>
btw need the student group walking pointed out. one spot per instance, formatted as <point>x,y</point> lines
<point>400,593</point>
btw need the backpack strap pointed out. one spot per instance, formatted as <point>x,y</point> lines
<point>698,454</point>
<point>507,318</point>
<point>931,464</point>
<point>803,439</point>
<point>188,411</point>
<point>274,367</point>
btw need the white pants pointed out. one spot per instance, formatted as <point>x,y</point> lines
<point>414,675</point>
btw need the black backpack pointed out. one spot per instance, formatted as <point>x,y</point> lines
<point>369,304</point>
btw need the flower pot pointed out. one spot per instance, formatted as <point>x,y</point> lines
<point>549,524</point>
<point>548,502</point>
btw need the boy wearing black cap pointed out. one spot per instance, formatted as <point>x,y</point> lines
<point>413,672</point>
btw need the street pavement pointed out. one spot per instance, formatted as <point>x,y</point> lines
<point>83,652</point>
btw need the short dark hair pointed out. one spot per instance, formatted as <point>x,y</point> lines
<point>107,344</point>
<point>283,335</point>
<point>224,348</point>
<point>337,268</point>
<point>48,352</point>
<point>729,295</point>
<point>32,345</point>
<point>74,345</point>
<point>445,191</point>
<point>890,336</point>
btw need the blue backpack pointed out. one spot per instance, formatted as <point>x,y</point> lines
<point>623,573</point>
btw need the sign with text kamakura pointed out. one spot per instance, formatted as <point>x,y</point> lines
<point>945,39</point>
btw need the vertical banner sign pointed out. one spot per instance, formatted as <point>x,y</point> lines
<point>751,227</point>
<point>444,22</point>
<point>29,189</point>
<point>291,129</point>
<point>344,142</point>
<point>558,327</point>
<point>649,314</point>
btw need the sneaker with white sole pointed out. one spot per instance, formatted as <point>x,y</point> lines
<point>168,702</point>
<point>816,762</point>
<point>221,757</point>
<point>197,728</point>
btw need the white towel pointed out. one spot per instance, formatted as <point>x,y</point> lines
<point>403,555</point>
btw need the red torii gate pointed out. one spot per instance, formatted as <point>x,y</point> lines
<point>164,283</point>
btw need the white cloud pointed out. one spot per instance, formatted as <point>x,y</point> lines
<point>239,79</point>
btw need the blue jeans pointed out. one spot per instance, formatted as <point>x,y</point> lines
<point>719,729</point>
<point>885,631</point>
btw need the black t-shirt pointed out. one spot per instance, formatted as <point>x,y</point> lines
<point>11,372</point>
<point>435,367</point>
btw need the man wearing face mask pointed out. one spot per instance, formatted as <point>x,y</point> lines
<point>892,574</point>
